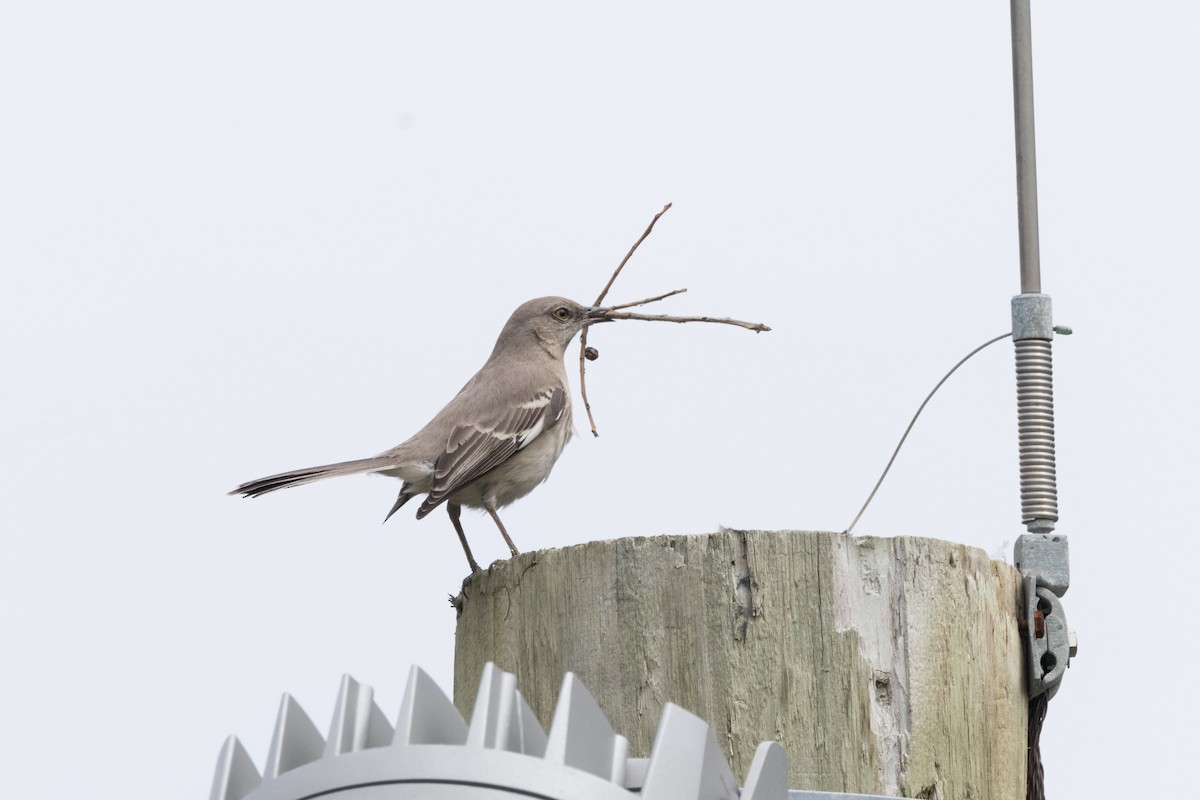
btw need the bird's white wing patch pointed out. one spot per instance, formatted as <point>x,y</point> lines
<point>541,401</point>
<point>527,436</point>
<point>474,449</point>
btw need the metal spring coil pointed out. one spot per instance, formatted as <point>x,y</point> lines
<point>1035,428</point>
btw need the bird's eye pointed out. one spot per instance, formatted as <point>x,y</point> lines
<point>562,312</point>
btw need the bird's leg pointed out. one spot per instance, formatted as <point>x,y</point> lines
<point>455,511</point>
<point>491,509</point>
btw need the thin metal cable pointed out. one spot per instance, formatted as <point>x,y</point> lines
<point>928,397</point>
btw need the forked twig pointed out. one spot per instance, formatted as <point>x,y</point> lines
<point>583,348</point>
<point>625,260</point>
<point>613,312</point>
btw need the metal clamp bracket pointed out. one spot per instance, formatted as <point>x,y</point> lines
<point>1043,559</point>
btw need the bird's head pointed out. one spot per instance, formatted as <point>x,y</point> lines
<point>553,321</point>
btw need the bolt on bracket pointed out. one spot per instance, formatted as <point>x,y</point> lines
<point>1043,559</point>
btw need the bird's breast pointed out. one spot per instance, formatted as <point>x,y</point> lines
<point>521,473</point>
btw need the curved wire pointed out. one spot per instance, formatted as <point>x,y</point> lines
<point>928,397</point>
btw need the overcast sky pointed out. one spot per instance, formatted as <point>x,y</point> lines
<point>243,237</point>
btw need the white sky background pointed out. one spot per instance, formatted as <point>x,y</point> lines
<point>240,238</point>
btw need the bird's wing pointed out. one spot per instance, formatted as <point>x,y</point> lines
<point>476,447</point>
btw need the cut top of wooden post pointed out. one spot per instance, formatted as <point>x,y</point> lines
<point>887,666</point>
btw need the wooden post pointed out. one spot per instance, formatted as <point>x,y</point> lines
<point>885,666</point>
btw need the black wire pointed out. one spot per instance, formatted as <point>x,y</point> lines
<point>1035,779</point>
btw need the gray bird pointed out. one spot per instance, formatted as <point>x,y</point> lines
<point>496,440</point>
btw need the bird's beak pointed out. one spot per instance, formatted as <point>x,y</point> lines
<point>597,314</point>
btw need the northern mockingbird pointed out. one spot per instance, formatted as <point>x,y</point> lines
<point>496,440</point>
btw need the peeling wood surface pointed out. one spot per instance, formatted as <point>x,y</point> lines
<point>887,666</point>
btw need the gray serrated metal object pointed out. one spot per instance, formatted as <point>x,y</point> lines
<point>686,761</point>
<point>768,772</point>
<point>501,718</point>
<point>296,740</point>
<point>580,736</point>
<point>503,754</point>
<point>357,721</point>
<point>426,715</point>
<point>236,775</point>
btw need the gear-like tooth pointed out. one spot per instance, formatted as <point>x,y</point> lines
<point>296,741</point>
<point>581,736</point>
<point>620,760</point>
<point>426,715</point>
<point>499,720</point>
<point>485,729</point>
<point>357,721</point>
<point>533,738</point>
<point>635,772</point>
<point>236,775</point>
<point>686,763</point>
<point>768,775</point>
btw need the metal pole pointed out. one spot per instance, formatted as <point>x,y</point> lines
<point>1027,209</point>
<point>1033,326</point>
<point>1040,555</point>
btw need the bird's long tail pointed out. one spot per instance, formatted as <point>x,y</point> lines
<point>300,477</point>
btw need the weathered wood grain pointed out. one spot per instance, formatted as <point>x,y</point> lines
<point>889,666</point>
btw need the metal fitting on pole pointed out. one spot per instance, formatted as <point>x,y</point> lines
<point>1033,330</point>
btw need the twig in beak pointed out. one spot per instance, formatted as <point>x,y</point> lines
<point>614,312</point>
<point>644,302</point>
<point>757,327</point>
<point>583,348</point>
